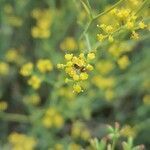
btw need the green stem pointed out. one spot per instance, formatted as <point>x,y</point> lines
<point>142,6</point>
<point>86,28</point>
<point>113,144</point>
<point>99,15</point>
<point>106,11</point>
<point>14,117</point>
<point>88,42</point>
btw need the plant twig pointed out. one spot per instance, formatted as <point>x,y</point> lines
<point>99,15</point>
<point>15,117</point>
<point>142,6</point>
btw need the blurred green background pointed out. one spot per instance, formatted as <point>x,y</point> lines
<point>33,29</point>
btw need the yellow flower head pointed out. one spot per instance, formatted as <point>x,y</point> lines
<point>33,99</point>
<point>4,68</point>
<point>128,131</point>
<point>21,141</point>
<point>135,35</point>
<point>69,44</point>
<point>43,23</point>
<point>44,65</point>
<point>26,69</point>
<point>12,55</point>
<point>3,105</point>
<point>123,62</point>
<point>35,82</point>
<point>77,88</point>
<point>146,100</point>
<point>91,56</point>
<point>77,68</point>
<point>142,25</point>
<point>53,118</point>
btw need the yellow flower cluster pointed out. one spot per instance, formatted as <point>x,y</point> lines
<point>12,55</point>
<point>43,66</point>
<point>109,94</point>
<point>67,93</point>
<point>12,19</point>
<point>43,23</point>
<point>35,81</point>
<point>53,118</point>
<point>58,146</point>
<point>20,141</point>
<point>104,82</point>
<point>121,18</point>
<point>77,68</point>
<point>69,44</point>
<point>80,131</point>
<point>107,33</point>
<point>121,14</point>
<point>26,69</point>
<point>128,131</point>
<point>4,68</point>
<point>123,62</point>
<point>74,146</point>
<point>118,49</point>
<point>3,105</point>
<point>33,99</point>
<point>104,66</point>
<point>146,99</point>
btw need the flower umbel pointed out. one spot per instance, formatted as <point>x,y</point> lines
<point>77,68</point>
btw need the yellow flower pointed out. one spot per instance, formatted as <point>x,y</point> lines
<point>77,67</point>
<point>60,66</point>
<point>15,21</point>
<point>104,67</point>
<point>59,147</point>
<point>68,56</point>
<point>77,88</point>
<point>83,76</point>
<point>103,82</point>
<point>76,77</point>
<point>26,69</point>
<point>33,99</point>
<point>21,141</point>
<point>91,56</point>
<point>75,132</point>
<point>4,68</point>
<point>142,25</point>
<point>123,62</point>
<point>47,122</point>
<point>52,118</point>
<point>128,131</point>
<point>44,65</point>
<point>58,120</point>
<point>12,55</point>
<point>3,105</point>
<point>74,146</point>
<point>129,25</point>
<point>108,29</point>
<point>43,23</point>
<point>100,37</point>
<point>85,134</point>
<point>109,94</point>
<point>8,9</point>
<point>135,35</point>
<point>146,99</point>
<point>69,44</point>
<point>89,67</point>
<point>35,82</point>
<point>110,38</point>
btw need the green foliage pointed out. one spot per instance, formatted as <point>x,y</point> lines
<point>68,68</point>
